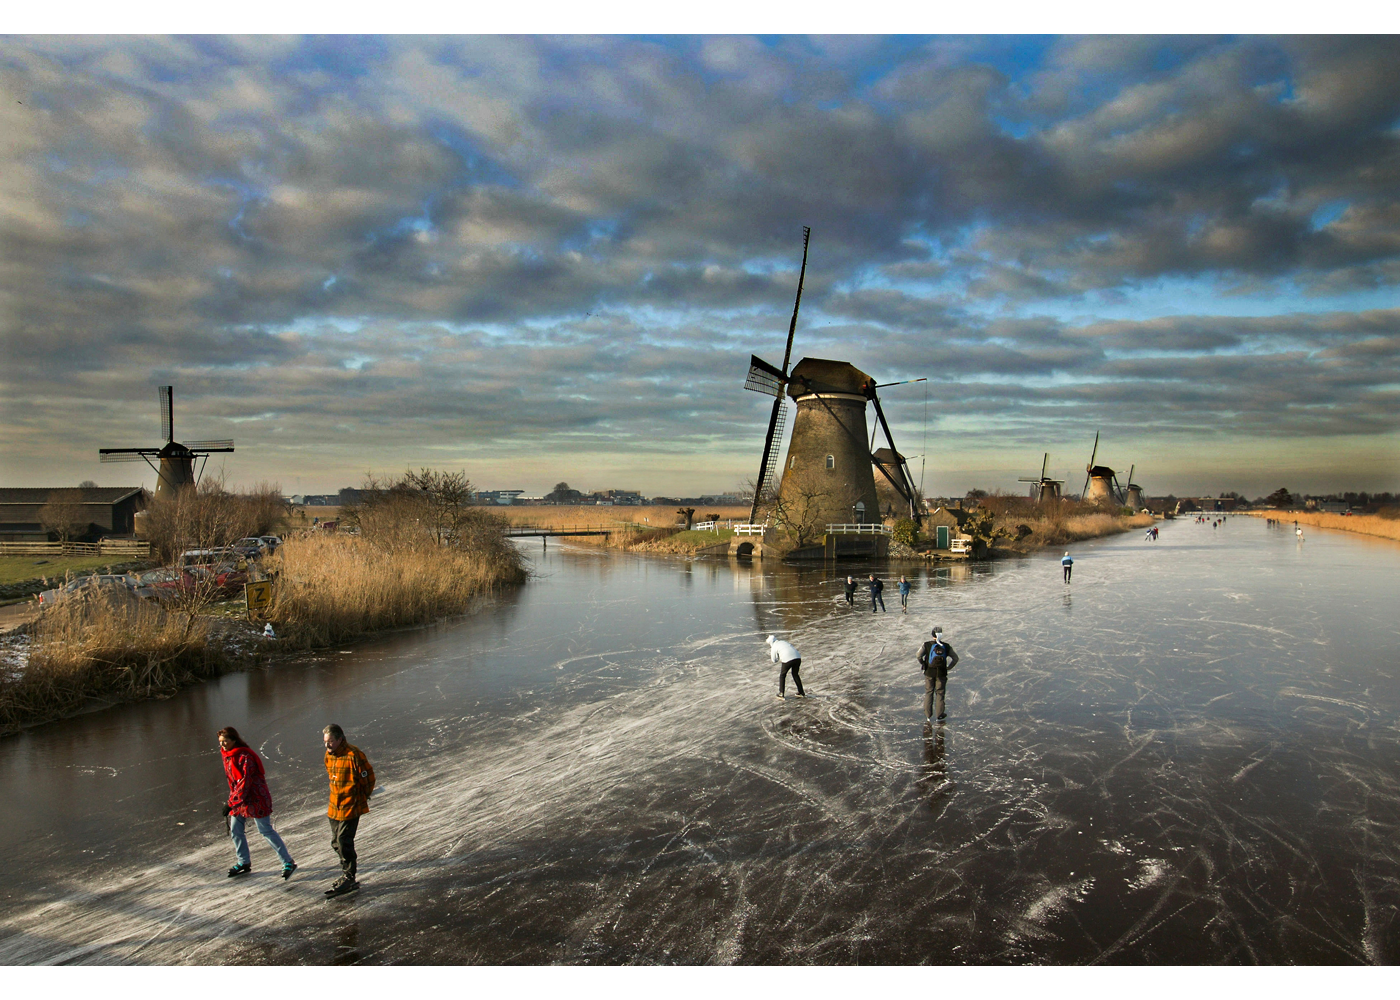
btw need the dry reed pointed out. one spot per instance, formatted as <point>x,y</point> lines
<point>1056,530</point>
<point>332,587</point>
<point>1377,524</point>
<point>104,644</point>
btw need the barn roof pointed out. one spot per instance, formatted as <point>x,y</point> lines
<point>41,494</point>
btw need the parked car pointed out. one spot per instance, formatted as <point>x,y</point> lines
<point>165,584</point>
<point>251,548</point>
<point>99,581</point>
<point>191,558</point>
<point>272,542</point>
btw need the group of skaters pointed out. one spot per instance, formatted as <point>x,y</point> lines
<point>877,593</point>
<point>351,782</point>
<point>1274,522</point>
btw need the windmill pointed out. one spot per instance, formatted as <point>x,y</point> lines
<point>1044,489</point>
<point>1100,482</point>
<point>829,431</point>
<point>176,468</point>
<point>1132,497</point>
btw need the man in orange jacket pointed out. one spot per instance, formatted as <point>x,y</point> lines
<point>352,781</point>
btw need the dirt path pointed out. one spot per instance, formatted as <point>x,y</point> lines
<point>14,615</point>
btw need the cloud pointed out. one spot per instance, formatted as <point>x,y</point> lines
<point>480,247</point>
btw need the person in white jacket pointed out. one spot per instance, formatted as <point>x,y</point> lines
<point>786,654</point>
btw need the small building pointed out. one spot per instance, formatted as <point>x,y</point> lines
<point>941,526</point>
<point>107,511</point>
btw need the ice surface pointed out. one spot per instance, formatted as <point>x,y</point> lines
<point>1187,755</point>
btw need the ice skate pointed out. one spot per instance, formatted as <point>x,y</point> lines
<point>239,870</point>
<point>342,885</point>
<point>287,871</point>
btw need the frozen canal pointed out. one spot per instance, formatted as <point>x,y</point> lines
<point>1189,755</point>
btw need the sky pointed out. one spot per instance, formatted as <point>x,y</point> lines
<point>542,258</point>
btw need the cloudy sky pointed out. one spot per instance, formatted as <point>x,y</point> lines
<point>542,258</point>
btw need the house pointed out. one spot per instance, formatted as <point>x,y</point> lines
<point>106,511</point>
<point>942,526</point>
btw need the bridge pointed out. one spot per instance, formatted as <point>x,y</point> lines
<point>553,530</point>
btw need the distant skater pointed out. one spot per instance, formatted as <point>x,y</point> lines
<point>351,781</point>
<point>851,591</point>
<point>786,655</point>
<point>248,798</point>
<point>1299,532</point>
<point>936,657</point>
<point>877,588</point>
<point>903,595</point>
<point>1068,565</point>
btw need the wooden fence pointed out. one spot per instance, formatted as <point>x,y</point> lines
<point>106,547</point>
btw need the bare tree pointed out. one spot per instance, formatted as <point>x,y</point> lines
<point>687,515</point>
<point>807,502</point>
<point>64,514</point>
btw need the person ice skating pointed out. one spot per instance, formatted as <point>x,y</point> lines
<point>851,591</point>
<point>786,655</point>
<point>877,588</point>
<point>248,798</point>
<point>352,781</point>
<point>903,595</point>
<point>1068,565</point>
<point>936,657</point>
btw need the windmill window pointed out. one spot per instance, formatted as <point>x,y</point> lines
<point>831,461</point>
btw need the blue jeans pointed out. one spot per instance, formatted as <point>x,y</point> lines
<point>240,842</point>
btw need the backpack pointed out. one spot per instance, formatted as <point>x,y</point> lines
<point>931,660</point>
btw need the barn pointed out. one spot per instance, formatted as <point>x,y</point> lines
<point>94,511</point>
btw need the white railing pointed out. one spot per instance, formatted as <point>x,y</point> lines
<point>960,545</point>
<point>750,529</point>
<point>857,529</point>
<point>705,526</point>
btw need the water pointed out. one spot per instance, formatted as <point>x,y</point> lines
<point>1189,755</point>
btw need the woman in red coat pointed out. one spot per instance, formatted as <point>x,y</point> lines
<point>248,798</point>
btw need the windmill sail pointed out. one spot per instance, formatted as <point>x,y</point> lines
<point>762,378</point>
<point>1088,469</point>
<point>224,444</point>
<point>167,412</point>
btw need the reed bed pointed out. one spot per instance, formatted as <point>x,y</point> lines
<point>1381,525</point>
<point>1052,530</point>
<point>104,644</point>
<point>333,587</point>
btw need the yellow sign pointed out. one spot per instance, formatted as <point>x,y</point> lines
<point>258,595</point>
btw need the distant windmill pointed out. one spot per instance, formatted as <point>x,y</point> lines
<point>176,468</point>
<point>1133,496</point>
<point>1044,489</point>
<point>1100,482</point>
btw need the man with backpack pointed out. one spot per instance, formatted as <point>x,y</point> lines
<point>936,657</point>
<point>1068,565</point>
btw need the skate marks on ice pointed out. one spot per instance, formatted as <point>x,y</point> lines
<point>1113,785</point>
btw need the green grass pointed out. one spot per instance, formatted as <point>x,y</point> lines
<point>702,537</point>
<point>16,569</point>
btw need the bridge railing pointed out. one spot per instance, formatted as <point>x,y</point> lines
<point>857,529</point>
<point>750,529</point>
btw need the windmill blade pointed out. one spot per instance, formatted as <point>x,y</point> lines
<point>167,412</point>
<point>767,466</point>
<point>225,444</point>
<point>1130,474</point>
<point>1088,469</point>
<point>764,378</point>
<point>900,480</point>
<point>886,385</point>
<point>801,277</point>
<point>1043,463</point>
<point>131,455</point>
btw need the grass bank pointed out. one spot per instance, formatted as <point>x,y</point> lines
<point>334,587</point>
<point>109,645</point>
<point>1383,525</point>
<point>651,529</point>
